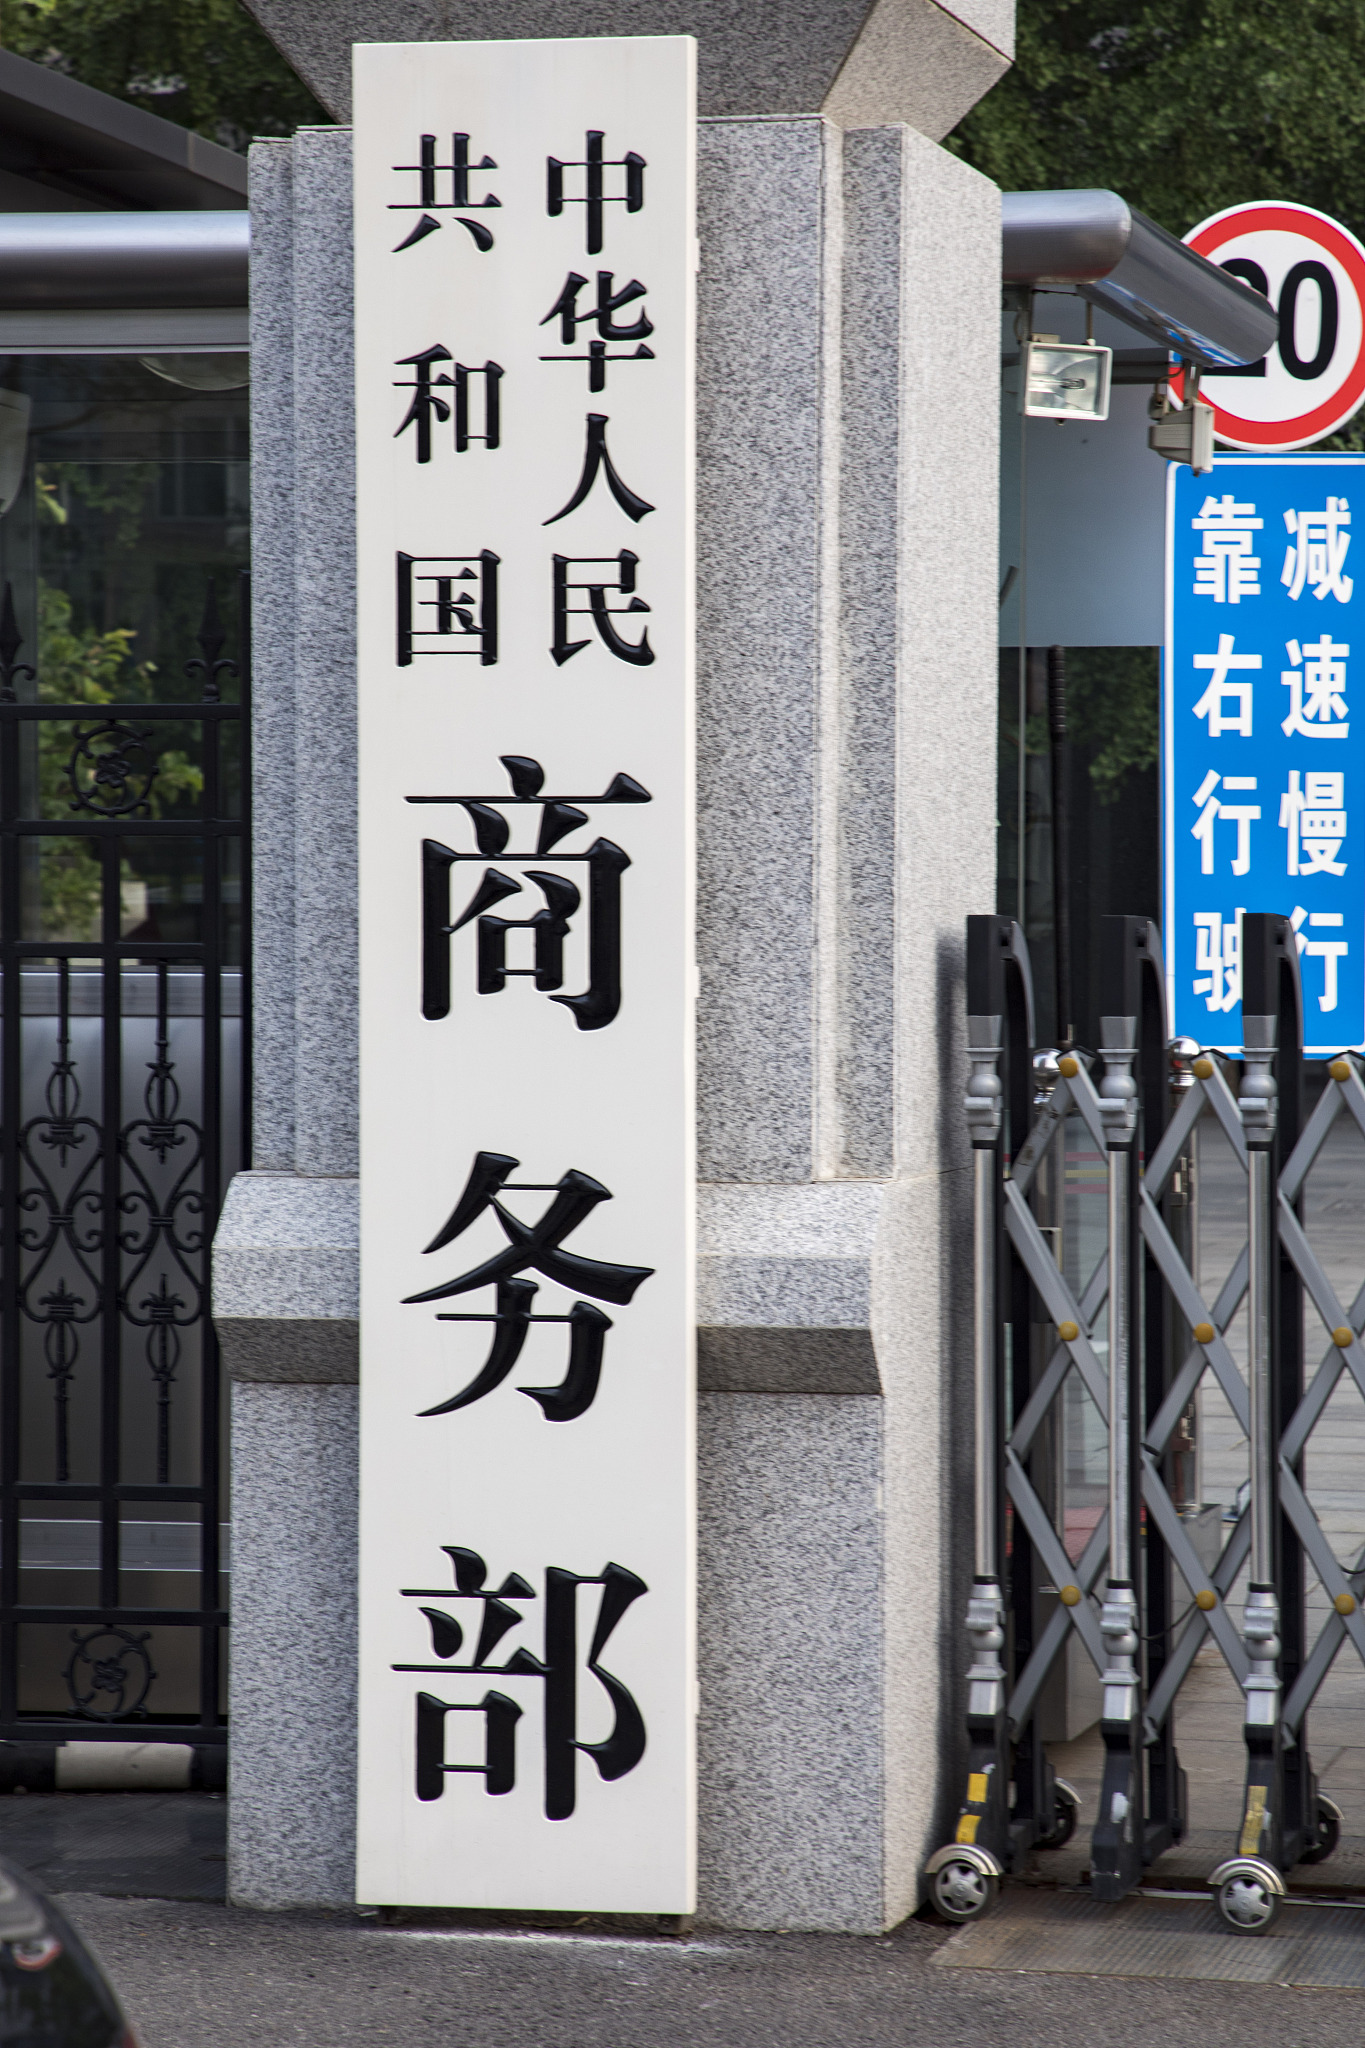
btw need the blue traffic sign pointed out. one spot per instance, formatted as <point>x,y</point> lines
<point>1263,748</point>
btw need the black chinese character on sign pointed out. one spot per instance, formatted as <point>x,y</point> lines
<point>605,862</point>
<point>426,384</point>
<point>539,1247</point>
<point>448,604</point>
<point>428,201</point>
<point>603,317</point>
<point>566,587</point>
<point>597,461</point>
<point>594,196</point>
<point>557,1667</point>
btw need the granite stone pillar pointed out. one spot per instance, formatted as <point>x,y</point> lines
<point>846,653</point>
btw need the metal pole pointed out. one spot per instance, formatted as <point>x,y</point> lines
<point>1059,754</point>
<point>984,1375</point>
<point>1261,1622</point>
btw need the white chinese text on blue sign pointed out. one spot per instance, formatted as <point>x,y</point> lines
<point>1262,744</point>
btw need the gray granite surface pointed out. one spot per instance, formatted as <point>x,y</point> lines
<point>272,665</point>
<point>325,1085</point>
<point>789,1624</point>
<point>291,1832</point>
<point>919,63</point>
<point>762,505</point>
<point>769,57</point>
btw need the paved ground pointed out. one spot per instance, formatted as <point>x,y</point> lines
<point>196,1976</point>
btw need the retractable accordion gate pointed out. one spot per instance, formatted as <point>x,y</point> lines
<point>1138,1337</point>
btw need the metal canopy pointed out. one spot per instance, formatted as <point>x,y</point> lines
<point>1098,245</point>
<point>63,145</point>
<point>64,260</point>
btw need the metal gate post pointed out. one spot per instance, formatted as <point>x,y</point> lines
<point>1131,1030</point>
<point>1279,1810</point>
<point>965,1874</point>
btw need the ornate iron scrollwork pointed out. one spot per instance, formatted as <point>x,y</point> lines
<point>167,1220</point>
<point>112,769</point>
<point>211,639</point>
<point>109,1674</point>
<point>65,1233</point>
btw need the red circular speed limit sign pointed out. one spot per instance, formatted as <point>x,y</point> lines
<point>1313,272</point>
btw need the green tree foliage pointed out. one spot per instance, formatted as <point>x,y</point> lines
<point>1183,106</point>
<point>203,63</point>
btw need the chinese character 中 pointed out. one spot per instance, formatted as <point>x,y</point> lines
<point>1218,958</point>
<point>1314,816</point>
<point>557,1667</point>
<point>448,604</point>
<point>1317,552</point>
<point>1316,681</point>
<point>426,385</point>
<point>1329,951</point>
<point>538,1246</point>
<point>1220,690</point>
<point>1212,808</point>
<point>597,461</point>
<point>609,328</point>
<point>605,862</point>
<point>566,586</point>
<point>594,197</point>
<point>1227,571</point>
<point>428,203</point>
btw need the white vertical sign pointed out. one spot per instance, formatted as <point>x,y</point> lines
<point>524,236</point>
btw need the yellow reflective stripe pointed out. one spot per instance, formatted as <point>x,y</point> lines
<point>1253,1822</point>
<point>967,1827</point>
<point>977,1783</point>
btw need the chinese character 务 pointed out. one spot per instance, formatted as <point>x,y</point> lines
<point>639,653</point>
<point>605,862</point>
<point>1329,951</point>
<point>596,459</point>
<point>594,196</point>
<point>1244,816</point>
<point>427,203</point>
<point>426,385</point>
<point>1314,816</point>
<point>1319,670</point>
<point>448,604</point>
<point>557,1668</point>
<point>1210,705</point>
<point>1227,569</point>
<point>538,1246</point>
<point>1316,553</point>
<point>609,328</point>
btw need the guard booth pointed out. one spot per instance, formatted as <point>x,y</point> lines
<point>124,685</point>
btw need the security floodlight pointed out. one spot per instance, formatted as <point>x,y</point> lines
<point>1184,436</point>
<point>1065,380</point>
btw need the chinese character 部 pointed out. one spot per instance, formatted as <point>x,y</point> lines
<point>557,1667</point>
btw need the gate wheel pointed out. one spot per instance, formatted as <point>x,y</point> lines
<point>1246,1902</point>
<point>1328,1833</point>
<point>961,1892</point>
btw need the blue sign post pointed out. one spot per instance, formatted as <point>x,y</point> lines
<point>1263,748</point>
